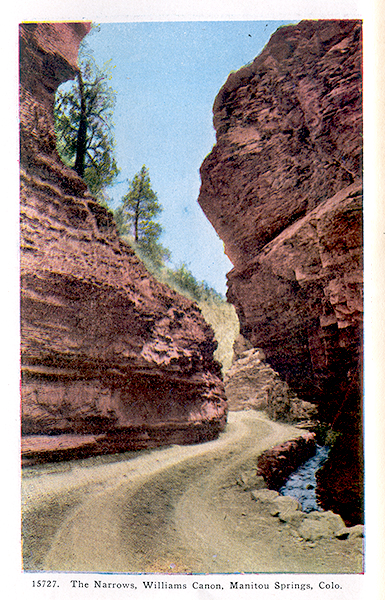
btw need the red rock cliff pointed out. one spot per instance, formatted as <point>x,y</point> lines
<point>108,353</point>
<point>283,189</point>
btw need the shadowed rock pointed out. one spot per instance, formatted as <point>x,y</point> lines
<point>283,189</point>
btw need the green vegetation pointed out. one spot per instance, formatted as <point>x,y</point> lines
<point>135,218</point>
<point>141,206</point>
<point>85,142</point>
<point>83,114</point>
<point>325,435</point>
<point>136,221</point>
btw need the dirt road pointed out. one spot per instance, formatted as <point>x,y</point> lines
<point>176,509</point>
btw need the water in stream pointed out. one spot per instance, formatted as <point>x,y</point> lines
<point>302,483</point>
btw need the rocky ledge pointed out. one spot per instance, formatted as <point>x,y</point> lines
<point>282,187</point>
<point>111,359</point>
<point>251,383</point>
<point>276,464</point>
<point>311,526</point>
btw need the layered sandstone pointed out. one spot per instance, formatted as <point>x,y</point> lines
<point>283,189</point>
<point>111,358</point>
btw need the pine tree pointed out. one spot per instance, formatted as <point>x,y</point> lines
<point>136,217</point>
<point>83,124</point>
<point>141,206</point>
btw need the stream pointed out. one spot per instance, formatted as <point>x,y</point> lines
<point>302,483</point>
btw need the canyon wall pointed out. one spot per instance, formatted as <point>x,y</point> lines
<point>283,188</point>
<point>111,358</point>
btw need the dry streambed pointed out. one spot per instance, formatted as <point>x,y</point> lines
<point>177,509</point>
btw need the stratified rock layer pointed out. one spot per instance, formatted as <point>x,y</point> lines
<point>283,189</point>
<point>107,351</point>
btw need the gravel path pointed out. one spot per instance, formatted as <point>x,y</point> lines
<point>176,509</point>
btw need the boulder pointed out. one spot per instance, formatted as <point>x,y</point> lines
<point>312,530</point>
<point>264,497</point>
<point>287,509</point>
<point>283,504</point>
<point>357,531</point>
<point>292,517</point>
<point>250,480</point>
<point>317,525</point>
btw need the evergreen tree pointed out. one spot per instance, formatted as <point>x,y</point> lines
<point>136,217</point>
<point>140,206</point>
<point>83,124</point>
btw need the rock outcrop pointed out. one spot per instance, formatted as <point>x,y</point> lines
<point>251,383</point>
<point>312,527</point>
<point>277,464</point>
<point>283,189</point>
<point>111,358</point>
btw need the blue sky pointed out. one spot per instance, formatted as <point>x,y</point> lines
<point>166,76</point>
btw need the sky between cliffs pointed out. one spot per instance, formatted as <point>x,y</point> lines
<point>166,76</point>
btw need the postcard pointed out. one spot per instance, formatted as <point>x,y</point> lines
<point>194,405</point>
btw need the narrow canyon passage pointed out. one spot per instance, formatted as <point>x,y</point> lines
<point>176,509</point>
<point>118,359</point>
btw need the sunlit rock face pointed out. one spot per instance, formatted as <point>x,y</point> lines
<point>251,383</point>
<point>283,189</point>
<point>107,351</point>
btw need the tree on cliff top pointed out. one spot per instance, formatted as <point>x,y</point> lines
<point>83,124</point>
<point>136,216</point>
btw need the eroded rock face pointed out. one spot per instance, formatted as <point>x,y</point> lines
<point>251,383</point>
<point>283,189</point>
<point>107,351</point>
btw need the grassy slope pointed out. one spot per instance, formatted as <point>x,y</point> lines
<point>224,321</point>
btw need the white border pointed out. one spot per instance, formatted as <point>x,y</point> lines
<point>187,10</point>
<point>371,584</point>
